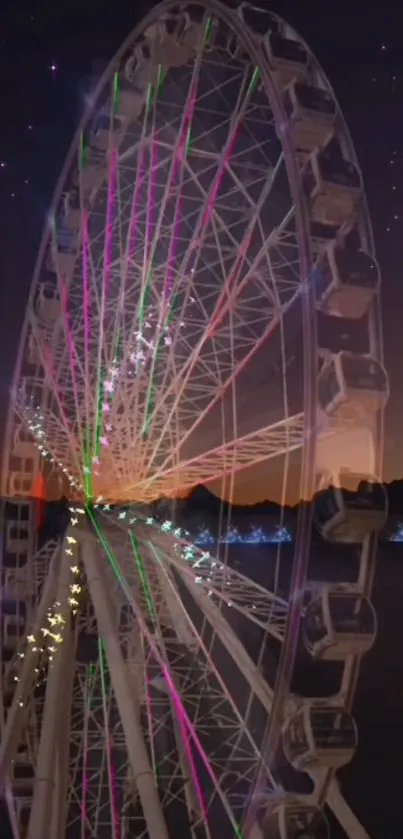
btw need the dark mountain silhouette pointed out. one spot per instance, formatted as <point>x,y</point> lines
<point>202,510</point>
<point>201,498</point>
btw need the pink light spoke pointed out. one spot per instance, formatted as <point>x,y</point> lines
<point>253,448</point>
<point>224,305</point>
<point>106,276</point>
<point>86,317</point>
<point>179,158</point>
<point>218,396</point>
<point>72,354</point>
<point>172,689</point>
<point>55,389</point>
<point>109,221</point>
<point>178,386</point>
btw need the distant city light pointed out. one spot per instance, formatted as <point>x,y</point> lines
<point>398,535</point>
<point>256,536</point>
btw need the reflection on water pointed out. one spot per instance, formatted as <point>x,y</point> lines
<point>255,536</point>
<point>274,535</point>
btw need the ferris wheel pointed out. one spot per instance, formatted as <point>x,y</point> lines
<point>204,310</point>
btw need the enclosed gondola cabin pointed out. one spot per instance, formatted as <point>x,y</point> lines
<point>13,631</point>
<point>311,113</point>
<point>288,58</point>
<point>346,281</point>
<point>131,101</point>
<point>71,208</point>
<point>259,20</point>
<point>352,509</point>
<point>332,186</point>
<point>64,248</point>
<point>338,624</point>
<point>92,173</point>
<point>48,308</point>
<point>175,39</point>
<point>106,132</point>
<point>137,73</point>
<point>319,736</point>
<point>293,820</point>
<point>352,386</point>
<point>166,50</point>
<point>321,236</point>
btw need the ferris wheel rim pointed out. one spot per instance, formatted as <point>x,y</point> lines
<point>230,16</point>
<point>154,15</point>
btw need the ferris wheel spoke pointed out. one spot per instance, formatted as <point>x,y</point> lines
<point>344,815</point>
<point>203,692</point>
<point>169,742</point>
<point>73,368</point>
<point>50,729</point>
<point>233,289</point>
<point>174,183</point>
<point>234,456</point>
<point>227,636</point>
<point>223,709</point>
<point>207,210</point>
<point>127,702</point>
<point>99,761</point>
<point>131,238</point>
<point>149,247</point>
<point>151,239</point>
<point>183,376</point>
<point>97,427</point>
<point>223,584</point>
<point>179,700</point>
<point>230,300</point>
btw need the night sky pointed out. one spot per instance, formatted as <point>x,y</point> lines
<point>48,53</point>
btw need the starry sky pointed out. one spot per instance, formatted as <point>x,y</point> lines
<point>50,52</point>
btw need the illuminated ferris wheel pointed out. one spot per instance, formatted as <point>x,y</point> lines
<point>204,310</point>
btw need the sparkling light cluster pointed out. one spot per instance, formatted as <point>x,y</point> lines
<point>257,536</point>
<point>46,641</point>
<point>35,423</point>
<point>154,332</point>
<point>398,535</point>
